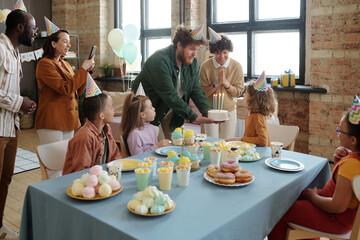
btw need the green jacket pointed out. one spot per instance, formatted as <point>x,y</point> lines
<point>159,79</point>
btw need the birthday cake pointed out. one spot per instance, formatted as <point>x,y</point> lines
<point>218,115</point>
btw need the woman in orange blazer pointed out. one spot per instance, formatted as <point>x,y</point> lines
<point>58,112</point>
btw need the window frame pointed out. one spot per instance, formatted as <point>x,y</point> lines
<point>145,33</point>
<point>262,25</point>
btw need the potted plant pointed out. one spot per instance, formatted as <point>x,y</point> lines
<point>107,68</point>
<point>26,120</point>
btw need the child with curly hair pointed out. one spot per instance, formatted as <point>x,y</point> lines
<point>260,100</point>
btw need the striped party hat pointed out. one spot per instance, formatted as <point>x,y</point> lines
<point>91,88</point>
<point>260,84</point>
<point>354,116</point>
<point>214,36</point>
<point>20,5</point>
<point>50,27</point>
<point>197,33</point>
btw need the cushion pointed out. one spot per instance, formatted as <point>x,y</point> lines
<point>118,99</point>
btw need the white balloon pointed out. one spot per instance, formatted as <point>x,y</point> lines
<point>116,39</point>
<point>131,33</point>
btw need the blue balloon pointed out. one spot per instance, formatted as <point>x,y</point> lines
<point>130,51</point>
<point>119,54</point>
<point>131,33</point>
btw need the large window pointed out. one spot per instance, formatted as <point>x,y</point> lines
<point>267,35</point>
<point>154,25</point>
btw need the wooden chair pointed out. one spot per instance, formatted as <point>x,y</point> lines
<point>299,232</point>
<point>51,157</point>
<point>122,147</point>
<point>283,133</point>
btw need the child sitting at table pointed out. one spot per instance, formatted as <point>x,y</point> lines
<point>333,208</point>
<point>260,100</point>
<point>140,135</point>
<point>93,144</point>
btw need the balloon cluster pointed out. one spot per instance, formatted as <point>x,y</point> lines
<point>123,44</point>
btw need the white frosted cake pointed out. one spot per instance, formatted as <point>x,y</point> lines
<point>218,115</point>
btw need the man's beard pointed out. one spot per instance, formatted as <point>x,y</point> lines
<point>183,59</point>
<point>25,39</point>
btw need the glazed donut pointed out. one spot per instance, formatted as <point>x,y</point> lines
<point>224,178</point>
<point>243,176</point>
<point>229,166</point>
<point>212,169</point>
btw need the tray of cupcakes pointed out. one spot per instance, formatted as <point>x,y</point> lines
<point>228,174</point>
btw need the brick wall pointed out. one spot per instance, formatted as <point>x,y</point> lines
<point>333,52</point>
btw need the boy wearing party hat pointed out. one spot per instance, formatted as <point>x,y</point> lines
<point>223,75</point>
<point>260,100</point>
<point>93,144</point>
<point>170,77</point>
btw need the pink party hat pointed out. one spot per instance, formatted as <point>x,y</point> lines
<point>140,91</point>
<point>91,88</point>
<point>20,5</point>
<point>214,36</point>
<point>50,27</point>
<point>260,84</point>
<point>197,33</point>
<point>354,116</point>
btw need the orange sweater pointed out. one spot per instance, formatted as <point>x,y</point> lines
<point>59,91</point>
<point>256,130</point>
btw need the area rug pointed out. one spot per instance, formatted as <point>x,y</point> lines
<point>25,161</point>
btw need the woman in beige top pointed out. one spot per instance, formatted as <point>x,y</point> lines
<point>221,74</point>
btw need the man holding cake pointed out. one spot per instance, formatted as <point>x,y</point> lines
<point>170,77</point>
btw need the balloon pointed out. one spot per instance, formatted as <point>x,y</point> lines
<point>116,39</point>
<point>119,54</point>
<point>136,62</point>
<point>130,51</point>
<point>131,33</point>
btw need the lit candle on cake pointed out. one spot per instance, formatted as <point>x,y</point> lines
<point>222,100</point>
<point>215,101</point>
<point>219,101</point>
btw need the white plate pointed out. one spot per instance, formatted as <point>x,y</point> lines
<point>164,150</point>
<point>127,164</point>
<point>210,179</point>
<point>284,164</point>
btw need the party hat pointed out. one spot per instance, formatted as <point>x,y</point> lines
<point>91,88</point>
<point>20,5</point>
<point>197,33</point>
<point>214,36</point>
<point>140,91</point>
<point>260,84</point>
<point>354,116</point>
<point>50,27</point>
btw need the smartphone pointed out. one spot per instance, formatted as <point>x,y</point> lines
<point>92,52</point>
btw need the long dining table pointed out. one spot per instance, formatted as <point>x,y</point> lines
<point>203,210</point>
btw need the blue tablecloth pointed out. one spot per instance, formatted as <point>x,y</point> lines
<point>203,210</point>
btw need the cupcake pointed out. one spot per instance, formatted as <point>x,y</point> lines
<point>184,160</point>
<point>193,149</point>
<point>189,137</point>
<point>171,153</point>
<point>232,155</point>
<point>195,162</point>
<point>177,138</point>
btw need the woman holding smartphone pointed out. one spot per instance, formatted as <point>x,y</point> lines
<point>58,112</point>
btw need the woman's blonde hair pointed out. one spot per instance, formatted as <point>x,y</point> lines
<point>261,102</point>
<point>131,118</point>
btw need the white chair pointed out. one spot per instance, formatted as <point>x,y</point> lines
<point>51,157</point>
<point>283,133</point>
<point>299,232</point>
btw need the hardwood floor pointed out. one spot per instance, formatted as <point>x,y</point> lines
<point>28,139</point>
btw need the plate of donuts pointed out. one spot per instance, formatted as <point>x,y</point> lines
<point>236,184</point>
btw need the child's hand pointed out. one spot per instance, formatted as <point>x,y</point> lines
<point>163,143</point>
<point>310,193</point>
<point>340,152</point>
